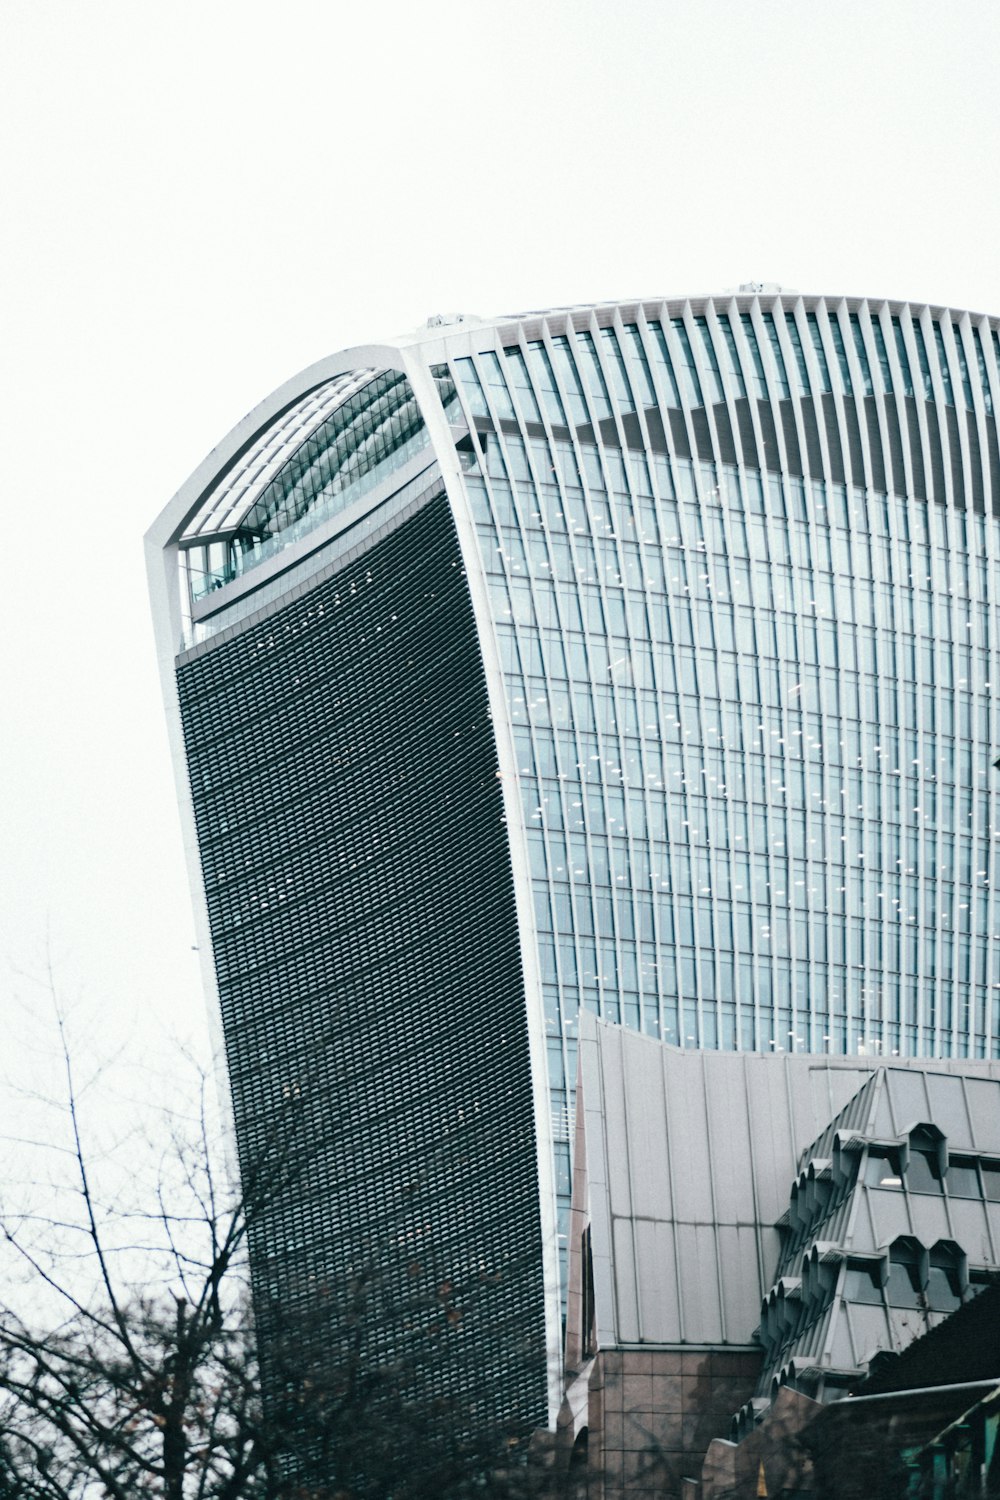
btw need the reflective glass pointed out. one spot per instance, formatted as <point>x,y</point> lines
<point>369,436</point>
<point>750,334</point>
<point>984,378</point>
<point>836,333</point>
<point>711,362</point>
<point>962,1179</point>
<point>665,364</point>
<point>593,376</point>
<point>753,727</point>
<point>903,1287</point>
<point>862,1284</point>
<point>641,378</point>
<point>882,1169</point>
<point>862,353</point>
<point>903,357</point>
<point>735,369</point>
<point>925,364</point>
<point>883,356</point>
<point>817,338</point>
<point>800,358</point>
<point>569,381</point>
<point>949,394</point>
<point>778,357</point>
<point>963,366</point>
<point>689,369</point>
<point>923,1175</point>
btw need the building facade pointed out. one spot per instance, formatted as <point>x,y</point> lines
<point>750,1233</point>
<point>633,657</point>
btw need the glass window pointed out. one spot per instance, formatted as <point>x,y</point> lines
<point>962,1179</point>
<point>942,1289</point>
<point>750,334</point>
<point>991,1180</point>
<point>469,381</point>
<point>619,378</point>
<point>689,370</point>
<point>517,371</point>
<point>732,356</point>
<point>665,364</point>
<point>712,363</point>
<point>545,383</point>
<point>923,1172</point>
<point>883,356</point>
<point>812,323</point>
<point>779,358</point>
<point>882,1168</point>
<point>496,386</point>
<point>862,353</point>
<point>586,354</point>
<point>903,1286</point>
<point>800,357</point>
<point>641,380</point>
<point>447,391</point>
<point>846,384</point>
<point>984,377</point>
<point>903,357</point>
<point>963,366</point>
<point>925,364</point>
<point>949,394</point>
<point>862,1283</point>
<point>570,379</point>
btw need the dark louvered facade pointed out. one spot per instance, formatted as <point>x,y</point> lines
<point>358,882</point>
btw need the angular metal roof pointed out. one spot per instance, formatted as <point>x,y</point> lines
<point>691,1157</point>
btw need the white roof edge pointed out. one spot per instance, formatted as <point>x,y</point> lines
<point>172,519</point>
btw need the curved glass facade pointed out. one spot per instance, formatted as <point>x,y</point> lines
<point>370,433</point>
<point>734,567</point>
<point>745,590</point>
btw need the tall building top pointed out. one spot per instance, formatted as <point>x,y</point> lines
<point>697,602</point>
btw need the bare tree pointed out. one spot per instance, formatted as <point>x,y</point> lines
<point>129,1365</point>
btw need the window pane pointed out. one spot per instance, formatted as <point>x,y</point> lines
<point>942,1288</point>
<point>861,1284</point>
<point>882,1170</point>
<point>901,1288</point>
<point>963,1179</point>
<point>923,1175</point>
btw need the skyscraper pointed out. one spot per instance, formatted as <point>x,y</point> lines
<point>635,656</point>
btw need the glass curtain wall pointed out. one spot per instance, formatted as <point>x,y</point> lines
<point>751,709</point>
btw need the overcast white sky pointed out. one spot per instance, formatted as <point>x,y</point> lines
<point>198,199</point>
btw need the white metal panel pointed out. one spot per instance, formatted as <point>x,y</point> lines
<point>732,1147</point>
<point>908,1100</point>
<point>646,1121</point>
<point>775,1149</point>
<point>947,1104</point>
<point>744,1281</point>
<point>690,1160</point>
<point>889,1218</point>
<point>700,1301</point>
<point>970,1228</point>
<point>616,1140</point>
<point>984,1109</point>
<point>623,1271</point>
<point>659,1309</point>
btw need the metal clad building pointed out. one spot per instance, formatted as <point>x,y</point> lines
<point>711,596</point>
<point>744,1223</point>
